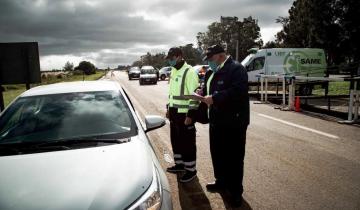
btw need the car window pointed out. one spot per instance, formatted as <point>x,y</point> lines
<point>256,64</point>
<point>134,69</point>
<point>148,71</point>
<point>70,115</point>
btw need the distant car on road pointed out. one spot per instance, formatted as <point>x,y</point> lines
<point>134,72</point>
<point>164,72</point>
<point>148,74</point>
<point>79,145</point>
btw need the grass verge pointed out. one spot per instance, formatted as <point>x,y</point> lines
<point>12,91</point>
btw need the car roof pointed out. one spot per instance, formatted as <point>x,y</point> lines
<point>147,67</point>
<point>72,87</point>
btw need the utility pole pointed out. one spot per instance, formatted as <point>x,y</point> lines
<point>237,50</point>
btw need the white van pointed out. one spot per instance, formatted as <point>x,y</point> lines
<point>288,61</point>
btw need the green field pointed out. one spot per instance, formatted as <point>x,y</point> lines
<point>335,88</point>
<point>12,91</point>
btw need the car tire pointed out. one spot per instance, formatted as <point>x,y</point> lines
<point>162,77</point>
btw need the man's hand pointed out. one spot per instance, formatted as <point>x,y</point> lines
<point>208,100</point>
<point>188,121</point>
<point>199,91</point>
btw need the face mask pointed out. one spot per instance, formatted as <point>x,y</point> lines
<point>213,65</point>
<point>172,62</point>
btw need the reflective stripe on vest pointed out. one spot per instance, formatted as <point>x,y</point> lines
<point>208,84</point>
<point>208,90</point>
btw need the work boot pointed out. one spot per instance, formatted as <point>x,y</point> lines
<point>188,176</point>
<point>236,198</point>
<point>236,201</point>
<point>215,186</point>
<point>176,168</point>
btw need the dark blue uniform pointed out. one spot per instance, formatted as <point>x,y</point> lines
<point>229,117</point>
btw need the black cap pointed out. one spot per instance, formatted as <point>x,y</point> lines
<point>213,50</point>
<point>174,51</point>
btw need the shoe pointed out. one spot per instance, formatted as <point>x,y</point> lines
<point>236,200</point>
<point>215,187</point>
<point>176,168</point>
<point>188,176</point>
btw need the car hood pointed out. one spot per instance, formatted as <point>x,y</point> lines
<point>148,75</point>
<point>106,177</point>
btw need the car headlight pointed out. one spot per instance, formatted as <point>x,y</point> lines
<point>151,199</point>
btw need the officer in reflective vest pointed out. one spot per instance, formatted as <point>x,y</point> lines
<point>181,113</point>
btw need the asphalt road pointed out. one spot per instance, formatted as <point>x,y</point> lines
<point>292,161</point>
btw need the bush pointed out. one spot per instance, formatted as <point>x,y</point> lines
<point>87,67</point>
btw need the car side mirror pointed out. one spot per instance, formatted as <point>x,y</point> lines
<point>153,122</point>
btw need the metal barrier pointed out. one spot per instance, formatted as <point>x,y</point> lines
<point>354,97</point>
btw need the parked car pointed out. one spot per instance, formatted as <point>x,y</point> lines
<point>148,75</point>
<point>134,72</point>
<point>79,145</point>
<point>164,72</point>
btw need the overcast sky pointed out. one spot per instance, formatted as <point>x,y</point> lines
<point>114,32</point>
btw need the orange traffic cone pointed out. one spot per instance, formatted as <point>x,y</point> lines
<point>297,104</point>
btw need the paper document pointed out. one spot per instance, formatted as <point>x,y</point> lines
<point>194,96</point>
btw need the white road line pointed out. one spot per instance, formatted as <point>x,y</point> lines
<point>299,126</point>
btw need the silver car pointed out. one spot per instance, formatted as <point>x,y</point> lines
<point>134,72</point>
<point>79,145</point>
<point>164,72</point>
<point>148,75</point>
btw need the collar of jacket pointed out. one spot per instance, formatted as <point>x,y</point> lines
<point>179,65</point>
<point>224,67</point>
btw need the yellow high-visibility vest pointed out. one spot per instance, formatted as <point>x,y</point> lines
<point>208,83</point>
<point>183,82</point>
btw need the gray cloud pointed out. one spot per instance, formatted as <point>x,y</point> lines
<point>86,27</point>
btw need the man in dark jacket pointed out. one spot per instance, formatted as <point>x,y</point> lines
<point>226,94</point>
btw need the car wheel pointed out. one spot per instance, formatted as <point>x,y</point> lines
<point>163,77</point>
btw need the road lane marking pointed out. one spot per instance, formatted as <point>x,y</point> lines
<point>299,126</point>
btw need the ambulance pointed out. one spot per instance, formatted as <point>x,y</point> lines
<point>308,62</point>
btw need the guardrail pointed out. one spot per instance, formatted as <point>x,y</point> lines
<point>354,97</point>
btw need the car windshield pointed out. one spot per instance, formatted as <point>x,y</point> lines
<point>134,69</point>
<point>104,114</point>
<point>148,71</point>
<point>246,60</point>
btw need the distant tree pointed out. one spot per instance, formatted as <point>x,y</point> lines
<point>87,67</point>
<point>272,44</point>
<point>68,66</point>
<point>157,60</point>
<point>191,54</point>
<point>327,24</point>
<point>230,33</point>
<point>137,63</point>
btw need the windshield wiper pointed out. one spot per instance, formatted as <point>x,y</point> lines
<point>81,140</point>
<point>16,149</point>
<point>62,142</point>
